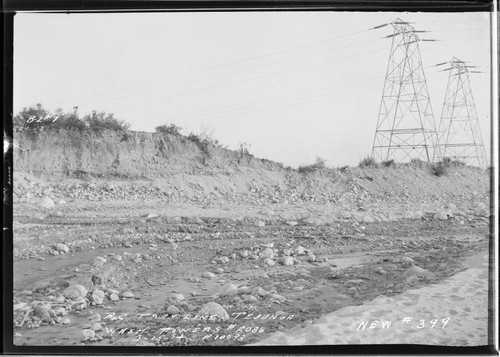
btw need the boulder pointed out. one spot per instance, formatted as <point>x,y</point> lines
<point>46,202</point>
<point>286,260</point>
<point>417,271</point>
<point>75,291</point>
<point>62,248</point>
<point>228,290</point>
<point>267,253</point>
<point>177,296</point>
<point>99,262</point>
<point>172,310</point>
<point>270,262</point>
<point>214,309</point>
<point>300,250</point>
<point>42,312</point>
<point>98,296</point>
<point>443,215</point>
<point>88,334</point>
<point>127,294</point>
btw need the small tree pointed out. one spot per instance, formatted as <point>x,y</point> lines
<point>105,121</point>
<point>29,117</point>
<point>171,129</point>
<point>318,165</point>
<point>368,162</point>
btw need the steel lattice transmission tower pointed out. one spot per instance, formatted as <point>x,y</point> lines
<point>459,132</point>
<point>405,128</point>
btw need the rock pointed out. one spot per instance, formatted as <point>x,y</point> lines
<point>59,311</point>
<point>22,306</point>
<point>26,292</point>
<point>417,271</point>
<point>177,296</point>
<point>286,260</point>
<point>174,246</point>
<point>98,296</point>
<point>278,297</point>
<point>270,262</point>
<point>62,248</point>
<point>259,223</point>
<point>286,252</point>
<point>75,291</point>
<point>127,294</point>
<point>300,250</point>
<point>46,202</point>
<point>42,312</point>
<point>214,309</point>
<point>244,253</point>
<point>259,291</point>
<point>152,215</point>
<point>172,310</point>
<point>59,299</point>
<point>249,298</point>
<point>267,253</point>
<point>228,290</point>
<point>268,245</point>
<point>292,223</point>
<point>353,290</point>
<point>481,212</point>
<point>61,202</point>
<point>95,317</point>
<point>96,326</point>
<point>88,334</point>
<point>311,258</point>
<point>208,275</point>
<point>114,297</point>
<point>221,260</point>
<point>412,280</point>
<point>66,321</point>
<point>266,212</point>
<point>450,206</point>
<point>99,262</point>
<point>442,215</point>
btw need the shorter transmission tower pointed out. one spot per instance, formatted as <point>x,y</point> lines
<point>459,135</point>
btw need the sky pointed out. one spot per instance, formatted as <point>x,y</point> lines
<point>293,85</point>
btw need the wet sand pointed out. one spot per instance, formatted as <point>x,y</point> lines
<point>453,312</point>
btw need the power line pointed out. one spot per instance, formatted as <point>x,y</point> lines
<point>236,62</point>
<point>228,83</point>
<point>206,115</point>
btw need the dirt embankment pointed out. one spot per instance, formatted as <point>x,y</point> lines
<point>188,171</point>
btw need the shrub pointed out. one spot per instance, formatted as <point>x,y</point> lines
<point>368,162</point>
<point>202,144</point>
<point>418,163</point>
<point>38,117</point>
<point>344,169</point>
<point>171,129</point>
<point>389,163</point>
<point>31,117</point>
<point>318,165</point>
<point>104,121</point>
<point>243,148</point>
<point>440,168</point>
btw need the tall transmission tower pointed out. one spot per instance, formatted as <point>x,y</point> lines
<point>405,128</point>
<point>459,132</point>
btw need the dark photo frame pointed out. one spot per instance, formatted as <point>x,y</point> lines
<point>254,177</point>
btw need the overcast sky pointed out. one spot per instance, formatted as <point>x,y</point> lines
<point>295,85</point>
